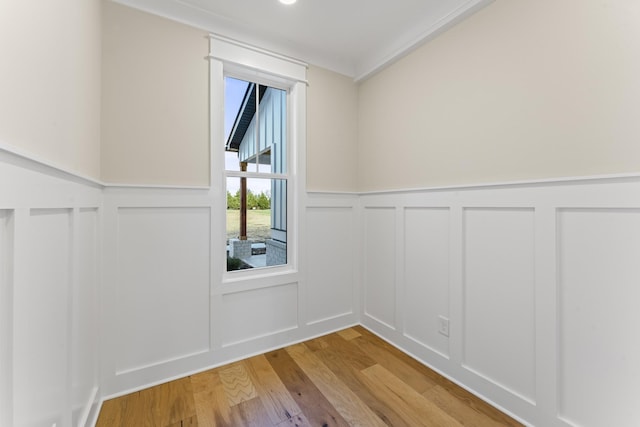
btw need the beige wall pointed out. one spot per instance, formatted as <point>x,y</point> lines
<point>155,100</point>
<point>50,81</point>
<point>521,90</point>
<point>332,109</point>
<point>155,108</point>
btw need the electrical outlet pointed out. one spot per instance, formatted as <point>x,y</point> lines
<point>443,326</point>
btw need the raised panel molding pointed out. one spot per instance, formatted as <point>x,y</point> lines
<point>426,273</point>
<point>259,313</point>
<point>162,287</point>
<point>242,316</point>
<point>598,354</point>
<point>379,258</point>
<point>499,295</point>
<point>542,292</point>
<point>49,267</point>
<point>85,309</point>
<point>553,260</point>
<point>42,304</point>
<point>6,318</point>
<point>331,251</point>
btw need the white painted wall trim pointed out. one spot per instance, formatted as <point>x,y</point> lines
<point>201,18</point>
<point>313,303</point>
<point>531,278</point>
<point>508,184</point>
<point>487,185</point>
<point>116,186</point>
<point>50,230</point>
<point>374,64</point>
<point>256,49</point>
<point>42,165</point>
<point>571,235</point>
<point>236,54</point>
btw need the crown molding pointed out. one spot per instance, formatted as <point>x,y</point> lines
<point>376,62</point>
<point>178,11</point>
<point>188,14</point>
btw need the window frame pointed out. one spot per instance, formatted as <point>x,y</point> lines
<point>229,58</point>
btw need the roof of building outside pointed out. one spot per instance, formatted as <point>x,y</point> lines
<point>245,115</point>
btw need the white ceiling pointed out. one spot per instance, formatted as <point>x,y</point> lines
<point>353,37</point>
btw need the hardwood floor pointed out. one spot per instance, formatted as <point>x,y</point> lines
<point>348,378</point>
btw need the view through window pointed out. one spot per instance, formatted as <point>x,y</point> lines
<point>256,174</point>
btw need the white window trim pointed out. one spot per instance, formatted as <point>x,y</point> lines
<point>235,59</point>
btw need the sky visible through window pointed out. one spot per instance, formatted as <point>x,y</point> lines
<point>234,91</point>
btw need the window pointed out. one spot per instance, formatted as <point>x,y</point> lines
<point>256,174</point>
<point>257,139</point>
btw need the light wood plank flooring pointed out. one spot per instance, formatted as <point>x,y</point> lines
<point>348,378</point>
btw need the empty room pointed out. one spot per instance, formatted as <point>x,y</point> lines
<point>319,213</point>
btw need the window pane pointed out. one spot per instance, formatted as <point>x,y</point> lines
<point>234,91</point>
<point>276,129</point>
<point>257,235</point>
<point>255,127</point>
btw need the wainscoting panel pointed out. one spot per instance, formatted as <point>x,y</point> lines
<point>163,285</point>
<point>499,281</point>
<point>599,318</point>
<point>41,319</point>
<point>259,313</point>
<point>85,309</point>
<point>49,275</point>
<point>379,257</point>
<point>331,254</point>
<point>170,307</point>
<point>539,282</point>
<point>6,318</point>
<point>426,272</point>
